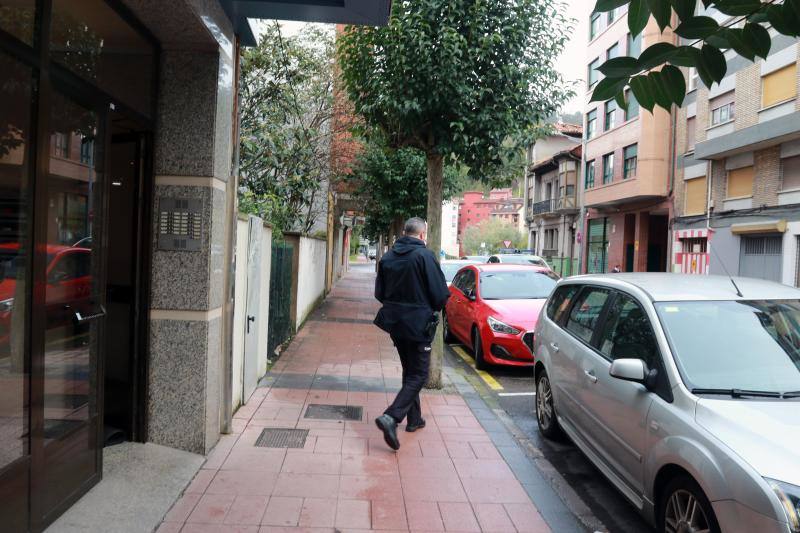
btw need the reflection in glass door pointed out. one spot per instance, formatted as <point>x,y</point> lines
<point>15,164</point>
<point>73,309</point>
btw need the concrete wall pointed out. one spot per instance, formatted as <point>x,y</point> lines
<point>311,276</point>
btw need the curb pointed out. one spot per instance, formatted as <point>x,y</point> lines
<point>557,502</point>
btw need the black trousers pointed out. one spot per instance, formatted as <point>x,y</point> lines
<point>415,358</point>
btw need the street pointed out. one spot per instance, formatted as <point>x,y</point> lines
<point>513,391</point>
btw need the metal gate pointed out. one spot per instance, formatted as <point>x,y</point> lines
<point>761,257</point>
<point>280,296</point>
<point>253,319</point>
<point>597,246</point>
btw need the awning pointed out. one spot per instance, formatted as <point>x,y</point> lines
<point>359,12</point>
<point>774,226</point>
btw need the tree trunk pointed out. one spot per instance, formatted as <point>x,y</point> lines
<point>435,182</point>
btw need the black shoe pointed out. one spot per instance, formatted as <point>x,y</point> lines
<point>388,425</point>
<point>411,428</point>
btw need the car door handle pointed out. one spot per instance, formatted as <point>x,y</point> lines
<point>590,375</point>
<point>554,346</point>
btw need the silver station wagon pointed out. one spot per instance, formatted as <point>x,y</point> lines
<point>683,390</point>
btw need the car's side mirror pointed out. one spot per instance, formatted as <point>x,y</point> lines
<point>470,294</point>
<point>634,370</point>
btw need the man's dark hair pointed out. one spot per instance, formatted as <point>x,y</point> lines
<point>415,226</point>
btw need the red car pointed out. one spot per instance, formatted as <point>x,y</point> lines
<point>69,285</point>
<point>493,308</point>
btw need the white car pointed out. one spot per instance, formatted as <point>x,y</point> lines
<point>519,259</point>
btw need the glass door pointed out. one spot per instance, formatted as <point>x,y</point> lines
<point>68,305</point>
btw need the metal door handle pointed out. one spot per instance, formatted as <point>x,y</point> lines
<point>554,346</point>
<point>590,375</point>
<point>250,319</point>
<point>82,319</point>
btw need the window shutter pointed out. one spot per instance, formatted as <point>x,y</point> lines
<point>779,86</point>
<point>790,168</point>
<point>696,196</point>
<point>691,133</point>
<point>740,182</point>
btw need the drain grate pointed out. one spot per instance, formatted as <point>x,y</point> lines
<point>334,412</point>
<point>282,438</point>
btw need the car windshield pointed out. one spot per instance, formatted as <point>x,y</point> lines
<point>450,270</point>
<point>516,284</point>
<point>746,345</point>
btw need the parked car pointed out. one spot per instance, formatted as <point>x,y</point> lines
<point>683,390</point>
<point>518,259</point>
<point>493,309</point>
<point>450,267</point>
<point>68,289</point>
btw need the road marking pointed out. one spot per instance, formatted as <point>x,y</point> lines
<point>516,394</point>
<point>485,376</point>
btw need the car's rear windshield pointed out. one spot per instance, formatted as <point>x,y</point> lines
<point>517,284</point>
<point>747,345</point>
<point>523,260</point>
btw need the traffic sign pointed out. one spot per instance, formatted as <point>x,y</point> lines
<point>507,244</point>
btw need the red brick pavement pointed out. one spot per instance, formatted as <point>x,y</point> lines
<point>447,477</point>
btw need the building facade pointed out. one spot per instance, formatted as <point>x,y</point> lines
<point>450,228</point>
<point>555,210</point>
<point>475,207</point>
<point>737,182</point>
<point>118,172</point>
<point>626,163</point>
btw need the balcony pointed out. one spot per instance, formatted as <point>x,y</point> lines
<point>554,206</point>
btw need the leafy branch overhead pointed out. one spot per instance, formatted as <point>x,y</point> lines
<point>655,77</point>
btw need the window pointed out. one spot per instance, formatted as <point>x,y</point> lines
<point>608,168</point>
<point>634,45</point>
<point>611,16</point>
<point>594,26</point>
<point>691,133</point>
<point>591,123</point>
<point>551,239</point>
<point>632,111</point>
<point>790,172</point>
<point>87,151</point>
<point>560,301</point>
<point>696,192</point>
<point>589,176</point>
<point>612,52</point>
<point>467,285</point>
<point>630,155</point>
<point>740,182</point>
<point>628,333</point>
<point>60,143</point>
<point>695,245</point>
<point>779,86</point>
<point>610,114</point>
<point>593,75</point>
<point>586,312</point>
<point>723,108</point>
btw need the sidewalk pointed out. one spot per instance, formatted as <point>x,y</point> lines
<point>450,476</point>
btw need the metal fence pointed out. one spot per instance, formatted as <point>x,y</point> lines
<point>280,296</point>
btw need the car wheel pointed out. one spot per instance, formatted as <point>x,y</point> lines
<point>448,335</point>
<point>477,350</point>
<point>683,507</point>
<point>545,409</point>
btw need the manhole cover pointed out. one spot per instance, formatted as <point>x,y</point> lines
<point>282,438</point>
<point>334,412</point>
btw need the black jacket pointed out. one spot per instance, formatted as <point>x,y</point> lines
<point>411,287</point>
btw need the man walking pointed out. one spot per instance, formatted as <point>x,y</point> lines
<point>412,288</point>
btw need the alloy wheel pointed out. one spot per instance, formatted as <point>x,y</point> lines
<point>544,402</point>
<point>685,514</point>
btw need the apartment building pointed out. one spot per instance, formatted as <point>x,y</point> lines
<point>737,181</point>
<point>475,207</point>
<point>626,162</point>
<point>552,199</point>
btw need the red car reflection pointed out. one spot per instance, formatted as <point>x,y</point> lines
<point>493,308</point>
<point>69,286</point>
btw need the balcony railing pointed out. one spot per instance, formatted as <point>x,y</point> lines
<point>553,205</point>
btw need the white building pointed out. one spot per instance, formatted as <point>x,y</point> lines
<point>450,228</point>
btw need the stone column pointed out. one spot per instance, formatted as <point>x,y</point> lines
<point>192,161</point>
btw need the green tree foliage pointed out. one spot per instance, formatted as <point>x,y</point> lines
<point>286,126</point>
<point>655,77</point>
<point>459,79</point>
<point>391,184</point>
<point>492,232</point>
